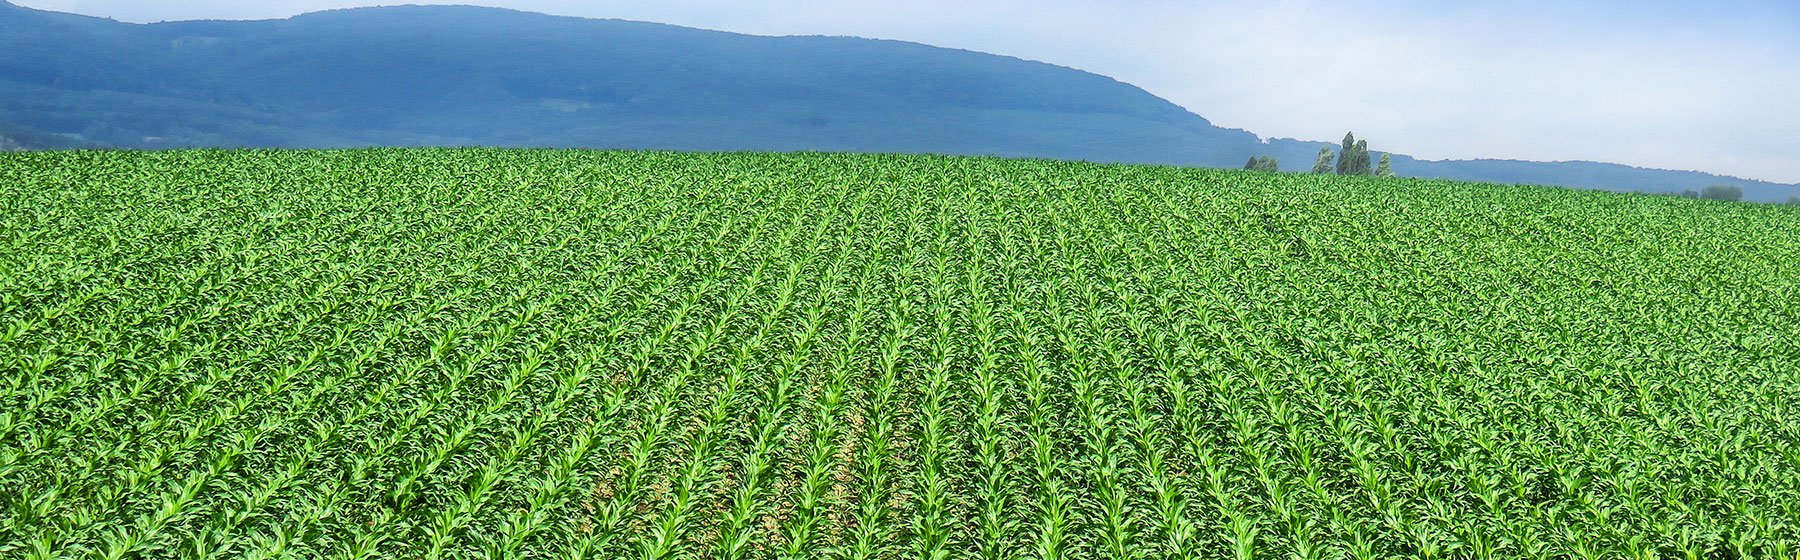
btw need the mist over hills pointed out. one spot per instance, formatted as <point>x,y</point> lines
<point>456,75</point>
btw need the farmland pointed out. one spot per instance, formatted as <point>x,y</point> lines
<point>564,354</point>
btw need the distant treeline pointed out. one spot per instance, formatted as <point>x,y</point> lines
<point>1351,159</point>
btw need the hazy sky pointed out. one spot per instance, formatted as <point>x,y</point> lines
<point>1712,86</point>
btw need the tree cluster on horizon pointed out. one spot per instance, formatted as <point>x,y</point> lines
<point>1352,159</point>
<point>1729,193</point>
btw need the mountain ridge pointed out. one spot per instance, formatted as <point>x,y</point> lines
<point>466,75</point>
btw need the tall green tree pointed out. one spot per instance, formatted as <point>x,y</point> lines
<point>1324,163</point>
<point>1361,165</point>
<point>1346,153</point>
<point>1386,168</point>
<point>1353,159</point>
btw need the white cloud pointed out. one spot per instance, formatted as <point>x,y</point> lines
<point>1655,83</point>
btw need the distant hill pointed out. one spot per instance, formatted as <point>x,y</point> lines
<point>457,75</point>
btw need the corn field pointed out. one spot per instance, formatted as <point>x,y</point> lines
<point>565,354</point>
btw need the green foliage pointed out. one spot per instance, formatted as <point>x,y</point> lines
<point>1360,164</point>
<point>1263,163</point>
<point>1346,154</point>
<point>1325,162</point>
<point>1386,168</point>
<point>1353,157</point>
<point>1722,192</point>
<point>571,354</point>
<point>1794,200</point>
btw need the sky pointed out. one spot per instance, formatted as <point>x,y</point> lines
<point>1709,86</point>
